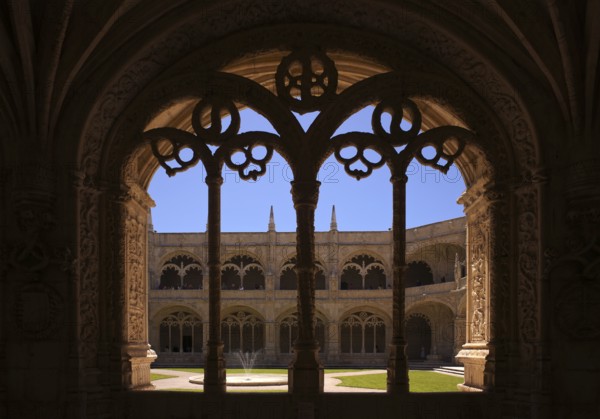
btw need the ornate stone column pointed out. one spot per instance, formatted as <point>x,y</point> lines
<point>136,354</point>
<point>305,375</point>
<point>482,205</point>
<point>397,370</point>
<point>214,368</point>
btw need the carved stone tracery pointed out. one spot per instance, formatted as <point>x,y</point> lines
<point>459,56</point>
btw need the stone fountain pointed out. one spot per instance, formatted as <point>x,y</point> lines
<point>248,360</point>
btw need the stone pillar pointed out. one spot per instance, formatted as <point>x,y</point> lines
<point>136,354</point>
<point>305,375</point>
<point>214,366</point>
<point>397,370</point>
<point>481,211</point>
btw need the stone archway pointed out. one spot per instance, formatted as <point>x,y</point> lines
<point>159,94</point>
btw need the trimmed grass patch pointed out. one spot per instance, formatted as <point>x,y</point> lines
<point>154,377</point>
<point>334,370</point>
<point>420,381</point>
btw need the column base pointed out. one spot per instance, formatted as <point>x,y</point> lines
<point>473,357</point>
<point>305,373</point>
<point>215,375</point>
<point>397,370</point>
<point>139,357</point>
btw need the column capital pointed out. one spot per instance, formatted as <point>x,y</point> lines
<point>305,192</point>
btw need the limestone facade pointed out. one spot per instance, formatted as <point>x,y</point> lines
<point>181,290</point>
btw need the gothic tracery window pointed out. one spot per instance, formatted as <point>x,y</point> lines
<point>363,272</point>
<point>242,331</point>
<point>288,333</point>
<point>288,280</point>
<point>181,272</point>
<point>242,272</point>
<point>361,333</point>
<point>181,332</point>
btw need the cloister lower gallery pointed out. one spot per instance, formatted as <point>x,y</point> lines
<point>96,97</point>
<point>353,295</point>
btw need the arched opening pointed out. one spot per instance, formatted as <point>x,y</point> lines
<point>288,280</point>
<point>418,337</point>
<point>288,333</point>
<point>418,273</point>
<point>181,272</point>
<point>362,333</point>
<point>242,331</point>
<point>469,160</point>
<point>363,272</point>
<point>242,272</point>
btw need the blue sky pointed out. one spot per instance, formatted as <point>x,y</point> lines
<point>181,201</point>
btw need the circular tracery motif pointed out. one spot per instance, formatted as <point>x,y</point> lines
<point>218,108</point>
<point>397,108</point>
<point>306,79</point>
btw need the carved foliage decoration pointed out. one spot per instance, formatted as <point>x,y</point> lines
<point>478,293</point>
<point>88,269</point>
<point>135,274</point>
<point>528,263</point>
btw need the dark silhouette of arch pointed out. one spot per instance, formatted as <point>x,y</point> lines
<point>417,273</point>
<point>288,278</point>
<point>181,272</point>
<point>363,272</point>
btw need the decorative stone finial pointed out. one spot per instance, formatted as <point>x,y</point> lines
<point>271,220</point>
<point>333,224</point>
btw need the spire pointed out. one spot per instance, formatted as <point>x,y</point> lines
<point>333,224</point>
<point>271,220</point>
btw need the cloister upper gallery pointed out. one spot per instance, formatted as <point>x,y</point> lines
<point>96,96</point>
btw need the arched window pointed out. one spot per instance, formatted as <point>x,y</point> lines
<point>181,272</point>
<point>362,333</point>
<point>242,272</point>
<point>288,278</point>
<point>242,331</point>
<point>181,332</point>
<point>363,272</point>
<point>418,273</point>
<point>288,333</point>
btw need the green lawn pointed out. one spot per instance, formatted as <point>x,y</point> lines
<point>420,381</point>
<point>154,377</point>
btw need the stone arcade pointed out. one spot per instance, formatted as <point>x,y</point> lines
<point>95,96</point>
<point>353,295</point>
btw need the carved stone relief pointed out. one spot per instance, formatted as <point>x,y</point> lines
<point>88,269</point>
<point>478,233</point>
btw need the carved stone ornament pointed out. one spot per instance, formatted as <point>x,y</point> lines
<point>478,289</point>
<point>38,310</point>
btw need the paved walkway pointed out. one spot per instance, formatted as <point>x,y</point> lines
<point>181,381</point>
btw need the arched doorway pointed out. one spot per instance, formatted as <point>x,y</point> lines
<point>418,337</point>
